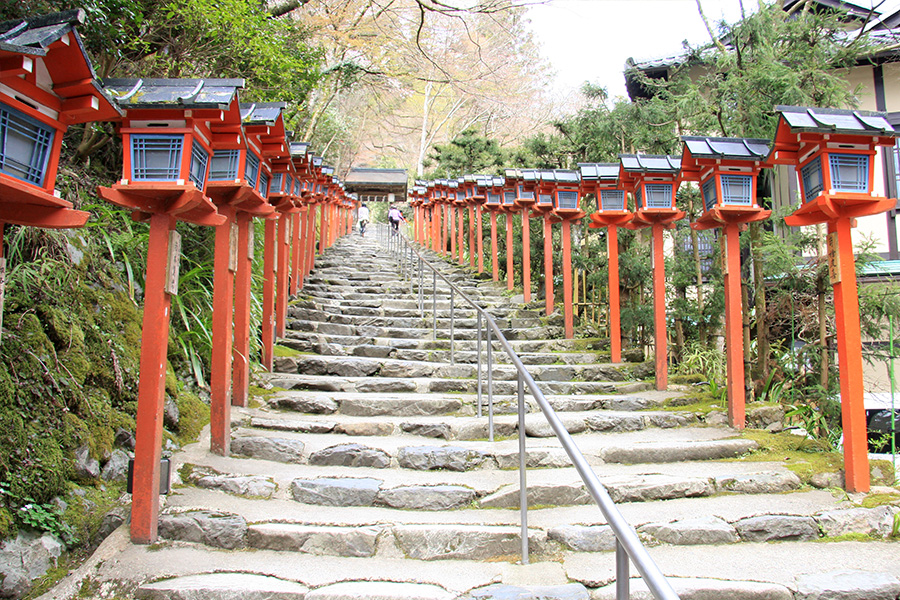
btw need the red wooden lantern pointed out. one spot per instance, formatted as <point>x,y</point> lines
<point>565,189</point>
<point>834,151</point>
<point>544,188</point>
<point>653,180</point>
<point>567,194</point>
<point>727,169</point>
<point>166,135</point>
<point>602,179</point>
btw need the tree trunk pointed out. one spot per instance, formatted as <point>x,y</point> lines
<point>821,291</point>
<point>759,296</point>
<point>702,330</point>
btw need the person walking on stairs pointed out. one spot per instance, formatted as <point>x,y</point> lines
<point>395,216</point>
<point>362,215</point>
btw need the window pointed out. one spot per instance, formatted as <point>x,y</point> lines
<point>24,146</point>
<point>545,199</point>
<point>156,157</point>
<point>276,183</point>
<point>523,194</point>
<point>638,198</point>
<point>224,165</point>
<point>612,199</point>
<point>737,189</point>
<point>708,190</point>
<point>199,160</point>
<point>493,198</point>
<point>288,184</point>
<point>659,195</point>
<point>264,184</point>
<point>849,172</point>
<point>567,199</point>
<point>509,198</point>
<point>251,169</point>
<point>811,179</point>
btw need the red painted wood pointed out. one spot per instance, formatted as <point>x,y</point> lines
<point>222,323</point>
<point>241,352</point>
<point>478,213</point>
<point>734,327</point>
<point>849,342</point>
<point>151,386</point>
<point>510,272</point>
<point>615,323</point>
<point>494,257</point>
<point>268,307</point>
<point>526,255</point>
<point>548,264</point>
<point>295,252</point>
<point>281,274</point>
<point>567,279</point>
<point>659,309</point>
<point>452,231</point>
<point>472,248</point>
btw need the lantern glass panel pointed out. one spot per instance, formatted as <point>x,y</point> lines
<point>288,184</point>
<point>523,193</point>
<point>659,195</point>
<point>251,169</point>
<point>451,196</point>
<point>639,198</point>
<point>811,179</point>
<point>567,199</point>
<point>612,199</point>
<point>737,190</point>
<point>24,146</point>
<point>277,181</point>
<point>509,198</point>
<point>224,165</point>
<point>545,199</point>
<point>849,172</point>
<point>156,157</point>
<point>199,161</point>
<point>264,184</point>
<point>493,198</point>
<point>709,193</point>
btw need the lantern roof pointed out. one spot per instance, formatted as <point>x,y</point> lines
<point>599,171</point>
<point>317,161</point>
<point>834,120</point>
<point>469,178</point>
<point>564,176</point>
<point>726,148</point>
<point>299,149</point>
<point>33,35</point>
<point>173,93</point>
<point>650,163</point>
<point>262,113</point>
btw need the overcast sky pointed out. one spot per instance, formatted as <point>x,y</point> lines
<point>589,40</point>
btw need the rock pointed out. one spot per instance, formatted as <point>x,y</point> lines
<point>703,589</point>
<point>85,466</point>
<point>827,480</point>
<point>336,491</point>
<point>661,452</point>
<point>669,420</point>
<point>379,590</point>
<point>407,370</point>
<point>284,450</point>
<point>627,403</point>
<point>581,538</point>
<point>538,495</point>
<point>314,539</point>
<point>656,487</point>
<point>535,459</point>
<point>421,497</point>
<point>125,439</point>
<point>254,486</point>
<point>689,532</point>
<point>479,431</point>
<point>22,560</point>
<point>615,423</point>
<point>316,405</point>
<point>877,521</point>
<point>372,351</point>
<point>366,428</point>
<point>297,425</point>
<point>284,364</point>
<point>763,416</point>
<point>385,386</point>
<point>351,455</point>
<point>109,523</point>
<point>427,458</point>
<point>171,415</point>
<point>217,529</point>
<point>222,586</point>
<point>760,483</point>
<point>767,528</point>
<point>369,407</point>
<point>537,426</point>
<point>431,430</point>
<point>468,542</point>
<point>499,591</point>
<point>116,468</point>
<point>716,417</point>
<point>847,585</point>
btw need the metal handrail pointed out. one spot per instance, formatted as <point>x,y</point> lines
<point>628,545</point>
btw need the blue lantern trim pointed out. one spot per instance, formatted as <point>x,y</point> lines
<point>156,157</point>
<point>24,146</point>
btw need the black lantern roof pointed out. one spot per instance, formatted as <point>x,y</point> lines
<point>419,183</point>
<point>327,170</point>
<point>173,93</point>
<point>599,171</point>
<point>566,176</point>
<point>469,178</point>
<point>33,35</point>
<point>380,181</point>
<point>317,161</point>
<point>833,120</point>
<point>299,149</point>
<point>730,148</point>
<point>261,113</point>
<point>650,163</point>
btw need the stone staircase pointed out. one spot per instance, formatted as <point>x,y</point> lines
<point>363,471</point>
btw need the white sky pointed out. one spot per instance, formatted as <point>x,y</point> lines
<point>589,40</point>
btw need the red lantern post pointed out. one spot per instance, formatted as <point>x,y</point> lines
<point>653,181</point>
<point>509,208</point>
<point>727,169</point>
<point>566,196</point>
<point>479,197</point>
<point>835,152</point>
<point>494,204</point>
<point>526,181</point>
<point>165,137</point>
<point>602,179</point>
<point>300,158</point>
<point>546,184</point>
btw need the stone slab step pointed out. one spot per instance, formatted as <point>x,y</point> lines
<point>334,307</point>
<point>363,366</point>
<point>329,383</point>
<point>222,586</point>
<point>665,452</point>
<point>424,332</point>
<point>413,321</point>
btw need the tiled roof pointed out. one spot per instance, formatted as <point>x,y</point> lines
<point>181,93</point>
<point>834,120</point>
<point>261,113</point>
<point>736,148</point>
<point>599,170</point>
<point>34,34</point>
<point>299,148</point>
<point>650,163</point>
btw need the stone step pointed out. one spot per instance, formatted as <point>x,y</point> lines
<point>330,383</point>
<point>424,332</point>
<point>410,322</point>
<point>361,366</point>
<point>336,309</point>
